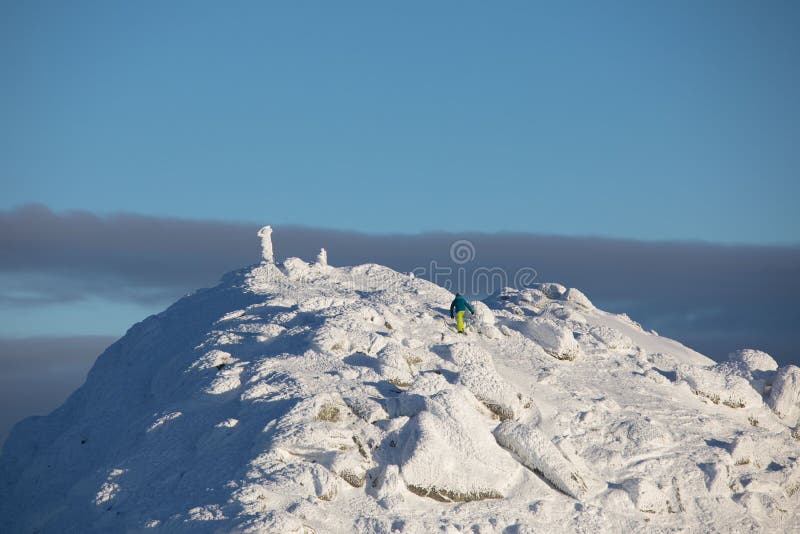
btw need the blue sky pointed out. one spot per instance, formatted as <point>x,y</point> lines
<point>646,120</point>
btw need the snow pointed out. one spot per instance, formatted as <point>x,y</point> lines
<point>322,258</point>
<point>649,498</point>
<point>538,454</point>
<point>265,234</point>
<point>784,397</point>
<point>556,339</point>
<point>577,297</point>
<point>551,290</point>
<point>449,455</point>
<point>753,360</point>
<point>755,366</point>
<point>298,397</point>
<point>720,384</point>
<point>478,374</point>
<point>484,321</point>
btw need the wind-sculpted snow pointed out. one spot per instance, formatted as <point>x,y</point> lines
<point>301,397</point>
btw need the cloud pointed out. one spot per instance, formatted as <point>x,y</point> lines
<point>714,297</point>
<point>120,256</point>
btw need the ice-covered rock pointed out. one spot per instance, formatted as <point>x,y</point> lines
<point>484,321</point>
<point>538,453</point>
<point>391,491</point>
<point>365,407</point>
<point>717,478</point>
<point>551,289</point>
<point>648,497</point>
<point>532,297</point>
<point>449,456</point>
<point>322,430</point>
<point>296,268</point>
<point>515,300</point>
<point>610,337</point>
<point>555,339</point>
<point>577,297</point>
<point>265,234</point>
<point>784,397</point>
<point>567,314</point>
<point>394,364</point>
<point>720,384</point>
<point>332,339</point>
<point>745,450</point>
<point>755,366</point>
<point>478,374</point>
<point>636,434</point>
<point>754,360</point>
<point>322,258</point>
<point>761,504</point>
<point>429,384</point>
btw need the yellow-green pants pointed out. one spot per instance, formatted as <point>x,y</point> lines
<point>460,321</point>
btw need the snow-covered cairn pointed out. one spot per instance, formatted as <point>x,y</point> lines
<point>266,243</point>
<point>322,257</point>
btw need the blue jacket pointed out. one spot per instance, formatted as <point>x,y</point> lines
<point>460,304</point>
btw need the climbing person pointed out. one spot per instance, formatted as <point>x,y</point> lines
<point>459,306</point>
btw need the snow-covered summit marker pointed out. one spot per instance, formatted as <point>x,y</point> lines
<point>322,257</point>
<point>266,243</point>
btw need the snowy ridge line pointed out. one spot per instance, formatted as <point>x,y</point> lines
<point>287,400</point>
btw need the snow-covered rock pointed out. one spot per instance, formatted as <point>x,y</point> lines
<point>754,360</point>
<point>577,297</point>
<point>755,366</point>
<point>322,258</point>
<point>551,289</point>
<point>478,374</point>
<point>322,431</point>
<point>557,340</point>
<point>510,298</point>
<point>297,397</point>
<point>648,497</point>
<point>611,338</point>
<point>721,384</point>
<point>537,453</point>
<point>784,397</point>
<point>449,456</point>
<point>568,315</point>
<point>484,321</point>
<point>744,450</point>
<point>395,364</point>
<point>296,268</point>
<point>265,234</point>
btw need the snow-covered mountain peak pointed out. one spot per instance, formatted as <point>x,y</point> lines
<point>302,397</point>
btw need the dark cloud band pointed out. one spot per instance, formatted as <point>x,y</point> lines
<point>715,297</point>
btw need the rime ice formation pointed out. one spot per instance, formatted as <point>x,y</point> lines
<point>299,397</point>
<point>322,257</point>
<point>784,397</point>
<point>266,243</point>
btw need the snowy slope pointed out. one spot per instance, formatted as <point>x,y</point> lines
<point>307,398</point>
